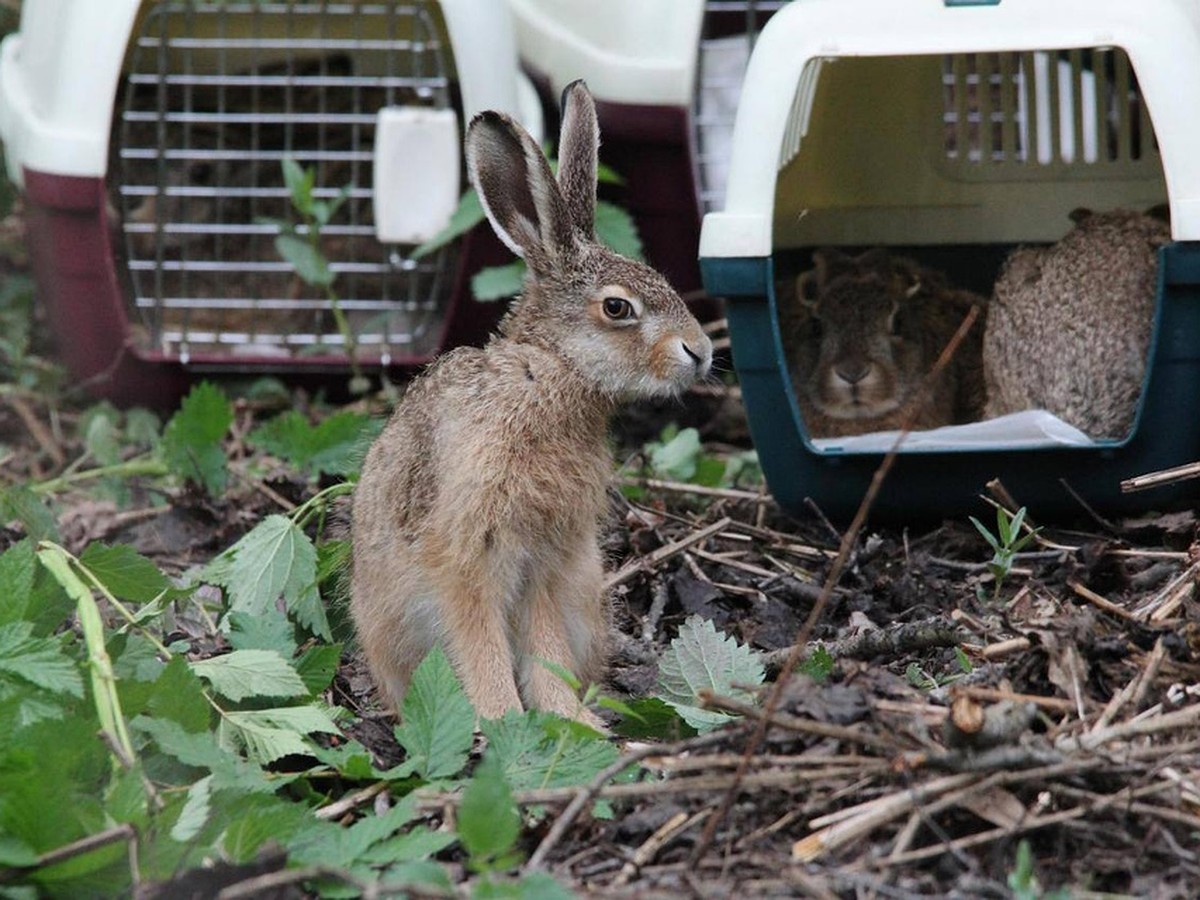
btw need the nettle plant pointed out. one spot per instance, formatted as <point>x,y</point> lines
<point>154,722</point>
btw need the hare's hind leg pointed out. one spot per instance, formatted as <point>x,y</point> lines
<point>566,623</point>
<point>475,600</point>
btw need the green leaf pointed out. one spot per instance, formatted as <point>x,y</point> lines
<point>142,427</point>
<point>124,572</point>
<point>101,430</point>
<point>701,658</point>
<point>15,853</point>
<point>37,661</point>
<point>300,182</point>
<point>195,811</point>
<point>499,282</point>
<point>269,630</point>
<point>418,844</point>
<point>437,721</point>
<point>250,673</point>
<point>192,439</point>
<point>488,820</point>
<point>336,445</point>
<point>656,720</point>
<point>200,750</point>
<point>540,750</point>
<point>20,503</point>
<point>317,665</point>
<point>307,260</point>
<point>615,229</point>
<point>275,559</point>
<point>271,734</point>
<point>675,460</point>
<point>466,216</point>
<point>818,665</point>
<point>17,566</point>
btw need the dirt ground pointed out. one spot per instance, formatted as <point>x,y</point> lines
<point>958,719</point>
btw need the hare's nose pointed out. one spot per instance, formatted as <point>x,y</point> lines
<point>853,373</point>
<point>701,362</point>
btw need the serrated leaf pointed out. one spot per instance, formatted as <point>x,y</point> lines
<point>307,260</point>
<point>195,811</point>
<point>17,566</point>
<point>274,559</point>
<point>336,445</point>
<point>437,721</point>
<point>540,750</point>
<point>200,750</point>
<point>269,630</point>
<point>124,572</point>
<point>616,229</point>
<point>701,658</point>
<point>488,820</point>
<point>656,720</point>
<point>271,734</point>
<point>317,665</point>
<point>250,673</point>
<point>261,820</point>
<point>38,661</point>
<point>498,282</point>
<point>192,439</point>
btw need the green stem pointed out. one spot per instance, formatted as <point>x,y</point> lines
<point>139,465</point>
<point>303,513</point>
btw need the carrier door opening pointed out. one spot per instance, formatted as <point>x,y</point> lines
<point>912,188</point>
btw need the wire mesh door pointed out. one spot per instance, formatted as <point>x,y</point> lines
<point>217,94</point>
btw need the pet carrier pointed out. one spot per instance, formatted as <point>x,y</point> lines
<point>150,135</point>
<point>953,132</point>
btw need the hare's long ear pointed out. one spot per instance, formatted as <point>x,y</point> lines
<point>578,149</point>
<point>518,192</point>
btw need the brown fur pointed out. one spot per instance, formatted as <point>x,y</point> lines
<point>863,332</point>
<point>1070,324</point>
<point>477,519</point>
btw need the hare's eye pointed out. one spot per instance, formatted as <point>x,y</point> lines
<point>618,308</point>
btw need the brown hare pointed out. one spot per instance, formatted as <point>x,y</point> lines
<point>863,332</point>
<point>476,521</point>
<point>1069,329</point>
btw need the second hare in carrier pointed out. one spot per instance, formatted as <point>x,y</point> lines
<point>476,521</point>
<point>862,332</point>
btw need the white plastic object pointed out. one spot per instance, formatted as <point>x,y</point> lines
<point>416,180</point>
<point>628,51</point>
<point>1161,38</point>
<point>58,78</point>
<point>485,54</point>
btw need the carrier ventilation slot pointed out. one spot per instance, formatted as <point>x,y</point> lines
<point>1044,108</point>
<point>218,93</point>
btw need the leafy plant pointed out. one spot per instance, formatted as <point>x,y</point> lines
<point>614,227</point>
<point>1006,543</point>
<point>678,455</point>
<point>191,442</point>
<point>300,245</point>
<point>702,659</point>
<point>1023,881</point>
<point>336,445</point>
